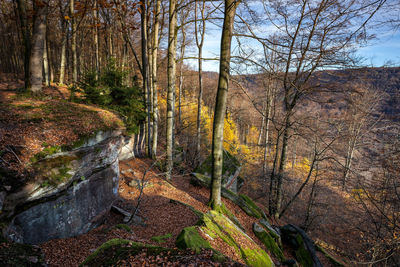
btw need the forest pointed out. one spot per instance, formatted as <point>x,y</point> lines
<point>217,104</point>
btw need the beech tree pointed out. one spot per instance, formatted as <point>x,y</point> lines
<point>38,41</point>
<point>172,34</point>
<point>220,103</point>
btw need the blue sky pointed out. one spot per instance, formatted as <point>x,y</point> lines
<point>384,49</point>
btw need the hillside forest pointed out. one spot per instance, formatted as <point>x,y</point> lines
<point>313,127</point>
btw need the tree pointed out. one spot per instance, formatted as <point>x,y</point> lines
<point>307,36</point>
<point>220,103</point>
<point>26,39</point>
<point>73,41</point>
<point>199,42</point>
<point>154,54</point>
<point>172,34</point>
<point>38,39</point>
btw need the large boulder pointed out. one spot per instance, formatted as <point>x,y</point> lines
<point>230,170</point>
<point>303,246</point>
<point>243,201</point>
<point>132,145</point>
<point>268,240</point>
<point>71,192</point>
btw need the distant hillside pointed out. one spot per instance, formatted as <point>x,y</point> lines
<point>386,80</point>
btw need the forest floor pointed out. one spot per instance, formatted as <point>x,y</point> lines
<point>161,217</point>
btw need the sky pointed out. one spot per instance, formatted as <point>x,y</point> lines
<point>383,50</point>
<point>379,52</point>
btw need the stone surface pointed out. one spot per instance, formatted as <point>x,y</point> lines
<point>71,193</point>
<point>132,146</point>
<point>231,169</point>
<point>267,239</point>
<point>303,246</point>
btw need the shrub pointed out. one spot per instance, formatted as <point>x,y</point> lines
<point>109,91</point>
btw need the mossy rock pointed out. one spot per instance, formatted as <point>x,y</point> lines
<point>190,238</point>
<point>243,201</point>
<point>56,169</point>
<point>302,254</point>
<point>217,225</point>
<point>114,250</point>
<point>230,165</point>
<point>224,210</point>
<point>268,241</point>
<point>272,231</point>
<point>302,245</point>
<point>14,254</point>
<point>257,211</point>
<point>161,238</point>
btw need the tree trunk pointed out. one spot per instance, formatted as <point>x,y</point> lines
<point>220,103</point>
<point>262,126</point>
<point>27,40</point>
<point>46,64</point>
<point>266,135</point>
<point>96,39</point>
<point>285,139</point>
<point>154,78</point>
<point>199,43</point>
<point>348,161</point>
<point>171,84</point>
<point>73,42</point>
<point>146,90</point>
<point>63,49</point>
<point>38,39</point>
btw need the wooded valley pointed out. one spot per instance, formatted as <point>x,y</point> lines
<point>294,120</point>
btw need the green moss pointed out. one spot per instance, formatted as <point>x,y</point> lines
<point>123,227</point>
<point>268,241</point>
<point>190,238</point>
<point>217,225</point>
<point>257,258</point>
<point>55,170</point>
<point>257,211</point>
<point>302,255</point>
<point>47,151</point>
<point>224,210</point>
<point>230,164</point>
<point>161,238</point>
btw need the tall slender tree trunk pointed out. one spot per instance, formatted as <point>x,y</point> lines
<point>27,40</point>
<point>220,103</point>
<point>96,39</point>
<point>272,182</point>
<point>145,77</point>
<point>182,54</point>
<point>171,84</point>
<point>262,126</point>
<point>63,60</point>
<point>154,78</point>
<point>199,43</point>
<point>348,161</point>
<point>73,42</point>
<point>46,64</point>
<point>266,134</point>
<point>38,40</point>
<point>282,162</point>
